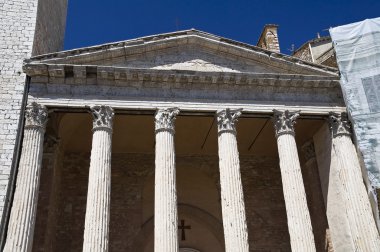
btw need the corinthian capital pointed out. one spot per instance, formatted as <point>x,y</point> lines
<point>102,117</point>
<point>36,116</point>
<point>284,121</point>
<point>226,119</point>
<point>164,119</point>
<point>339,124</point>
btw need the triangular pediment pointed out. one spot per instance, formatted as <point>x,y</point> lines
<point>187,50</point>
<point>192,58</point>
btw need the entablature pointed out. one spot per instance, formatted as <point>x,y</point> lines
<point>77,86</point>
<point>92,74</point>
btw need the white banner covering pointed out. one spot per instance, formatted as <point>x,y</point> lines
<point>357,49</point>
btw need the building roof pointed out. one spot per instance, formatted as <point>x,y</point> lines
<point>86,55</point>
<point>312,41</point>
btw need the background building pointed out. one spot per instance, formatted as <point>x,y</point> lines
<point>319,51</point>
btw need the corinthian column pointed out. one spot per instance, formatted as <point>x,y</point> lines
<point>96,230</point>
<point>23,213</point>
<point>165,195</point>
<point>360,218</point>
<point>233,210</point>
<point>299,223</point>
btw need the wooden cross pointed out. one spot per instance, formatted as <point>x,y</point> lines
<point>183,227</point>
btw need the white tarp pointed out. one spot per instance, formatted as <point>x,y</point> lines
<point>357,49</point>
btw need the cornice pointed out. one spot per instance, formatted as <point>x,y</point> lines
<point>81,74</point>
<point>189,37</point>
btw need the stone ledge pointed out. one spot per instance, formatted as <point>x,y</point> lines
<point>187,37</point>
<point>81,74</point>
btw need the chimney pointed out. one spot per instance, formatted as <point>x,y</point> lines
<point>269,38</point>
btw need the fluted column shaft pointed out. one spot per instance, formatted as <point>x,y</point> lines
<point>233,209</point>
<point>23,213</point>
<point>299,223</point>
<point>360,217</point>
<point>165,196</point>
<point>96,232</point>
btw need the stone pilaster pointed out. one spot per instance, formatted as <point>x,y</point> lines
<point>23,213</point>
<point>165,200</point>
<point>233,209</point>
<point>299,223</point>
<point>362,224</point>
<point>96,232</point>
<point>315,199</point>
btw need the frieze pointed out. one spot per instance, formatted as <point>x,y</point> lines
<point>125,75</point>
<point>86,81</point>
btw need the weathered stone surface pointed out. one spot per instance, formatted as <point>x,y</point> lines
<point>183,47</point>
<point>23,212</point>
<point>164,119</point>
<point>299,223</point>
<point>50,26</point>
<point>269,38</point>
<point>339,124</point>
<point>165,204</point>
<point>363,228</point>
<point>234,217</point>
<point>96,232</point>
<point>332,190</point>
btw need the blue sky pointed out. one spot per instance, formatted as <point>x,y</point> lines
<point>92,22</point>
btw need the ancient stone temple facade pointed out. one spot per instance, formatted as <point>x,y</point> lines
<point>184,141</point>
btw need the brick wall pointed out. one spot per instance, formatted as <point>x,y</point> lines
<point>17,34</point>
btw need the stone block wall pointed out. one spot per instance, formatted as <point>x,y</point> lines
<point>17,26</point>
<point>18,37</point>
<point>50,26</point>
